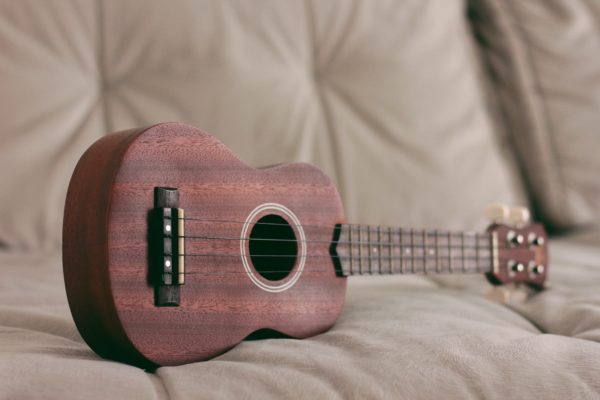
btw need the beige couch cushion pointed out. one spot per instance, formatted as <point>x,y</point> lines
<point>50,111</point>
<point>383,95</point>
<point>398,337</point>
<point>544,57</point>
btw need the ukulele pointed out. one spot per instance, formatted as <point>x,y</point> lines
<point>174,251</point>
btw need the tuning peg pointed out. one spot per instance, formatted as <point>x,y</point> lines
<point>515,267</point>
<point>519,216</point>
<point>497,213</point>
<point>535,240</point>
<point>535,269</point>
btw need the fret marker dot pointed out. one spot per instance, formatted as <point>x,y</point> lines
<point>167,263</point>
<point>407,251</point>
<point>374,249</point>
<point>168,228</point>
<point>431,252</point>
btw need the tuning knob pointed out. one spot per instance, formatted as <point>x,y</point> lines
<point>519,216</point>
<point>514,239</point>
<point>497,213</point>
<point>515,267</point>
<point>535,269</point>
<point>535,240</point>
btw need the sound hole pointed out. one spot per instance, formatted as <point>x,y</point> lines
<point>273,247</point>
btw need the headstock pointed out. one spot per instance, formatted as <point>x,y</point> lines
<point>519,248</point>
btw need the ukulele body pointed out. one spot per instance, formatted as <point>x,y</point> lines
<point>224,299</point>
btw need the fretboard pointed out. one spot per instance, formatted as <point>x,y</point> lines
<point>373,250</point>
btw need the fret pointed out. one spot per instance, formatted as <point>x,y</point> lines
<point>379,251</point>
<point>401,250</point>
<point>456,246</point>
<point>457,251</point>
<point>442,252</point>
<point>364,249</point>
<point>450,266</point>
<point>424,251</point>
<point>462,251</point>
<point>371,249</point>
<point>412,251</point>
<point>479,260</point>
<point>355,251</point>
<point>372,252</point>
<point>485,251</point>
<point>471,252</point>
<point>485,241</point>
<point>367,250</point>
<point>430,250</point>
<point>406,250</point>
<point>418,253</point>
<point>373,257</point>
<point>360,269</point>
<point>484,244</point>
<point>390,248</point>
<point>373,264</point>
<point>350,249</point>
<point>375,252</point>
<point>437,251</point>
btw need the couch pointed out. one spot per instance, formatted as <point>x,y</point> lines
<point>422,112</point>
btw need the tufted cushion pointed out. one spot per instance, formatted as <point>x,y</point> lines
<point>384,96</point>
<point>50,111</point>
<point>544,57</point>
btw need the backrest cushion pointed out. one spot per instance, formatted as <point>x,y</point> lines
<point>544,57</point>
<point>384,96</point>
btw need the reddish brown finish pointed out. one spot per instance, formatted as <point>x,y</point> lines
<point>106,262</point>
<point>86,252</point>
<point>106,253</point>
<point>369,250</point>
<point>524,253</point>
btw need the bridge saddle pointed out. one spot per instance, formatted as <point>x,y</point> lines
<point>167,246</point>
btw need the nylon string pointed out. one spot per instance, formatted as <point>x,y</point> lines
<point>406,260</point>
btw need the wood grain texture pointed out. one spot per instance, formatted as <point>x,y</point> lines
<point>376,250</point>
<point>106,251</point>
<point>524,253</point>
<point>86,249</point>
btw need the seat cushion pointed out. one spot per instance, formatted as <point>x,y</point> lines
<point>397,337</point>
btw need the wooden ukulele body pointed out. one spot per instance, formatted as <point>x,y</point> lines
<point>106,252</point>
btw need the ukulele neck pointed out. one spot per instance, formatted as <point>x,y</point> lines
<point>376,250</point>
